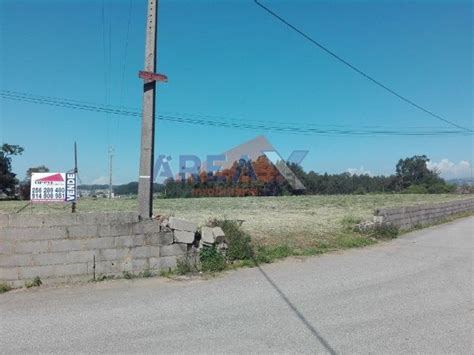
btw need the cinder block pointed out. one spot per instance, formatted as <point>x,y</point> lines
<point>111,267</point>
<point>145,252</point>
<point>115,230</point>
<point>146,227</point>
<point>4,220</point>
<point>8,273</point>
<point>138,265</point>
<point>111,218</point>
<point>129,217</point>
<point>32,247</point>
<point>71,269</point>
<point>173,250</point>
<point>49,259</point>
<point>65,245</point>
<point>390,216</point>
<point>113,254</point>
<point>207,235</point>
<point>85,231</point>
<point>154,263</point>
<point>83,256</point>
<point>139,228</point>
<point>378,219</point>
<point>407,217</point>
<point>182,225</point>
<point>163,238</point>
<point>90,218</point>
<point>126,241</point>
<point>139,240</point>
<point>98,243</point>
<point>219,234</point>
<point>49,271</point>
<point>7,247</point>
<point>60,220</point>
<point>106,218</point>
<point>15,260</point>
<point>167,262</point>
<point>46,233</point>
<point>30,272</point>
<point>183,237</point>
<point>155,251</point>
<point>19,220</point>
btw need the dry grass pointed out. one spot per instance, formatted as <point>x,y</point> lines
<point>294,220</point>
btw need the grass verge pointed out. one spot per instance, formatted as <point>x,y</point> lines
<point>242,252</point>
<point>36,282</point>
<point>248,254</point>
<point>4,287</point>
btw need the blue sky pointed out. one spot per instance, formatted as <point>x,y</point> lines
<point>231,59</point>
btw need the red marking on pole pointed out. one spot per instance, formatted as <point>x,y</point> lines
<point>150,77</point>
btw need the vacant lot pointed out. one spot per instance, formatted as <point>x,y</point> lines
<point>299,220</point>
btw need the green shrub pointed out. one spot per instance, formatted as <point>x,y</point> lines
<point>350,221</point>
<point>102,277</point>
<point>36,282</point>
<point>415,189</point>
<point>239,243</point>
<point>316,250</point>
<point>441,188</point>
<point>4,287</point>
<point>346,241</point>
<point>211,259</point>
<point>267,254</point>
<point>385,232</point>
<point>360,191</point>
<point>128,275</point>
<point>263,255</point>
<point>183,266</point>
<point>146,274</point>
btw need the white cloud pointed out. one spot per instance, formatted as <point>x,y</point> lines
<point>100,180</point>
<point>360,171</point>
<point>450,170</point>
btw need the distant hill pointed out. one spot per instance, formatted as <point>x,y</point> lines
<point>461,181</point>
<point>126,189</point>
<point>93,187</point>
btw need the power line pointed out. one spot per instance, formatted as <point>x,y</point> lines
<point>125,57</point>
<point>130,111</point>
<point>106,49</point>
<point>127,35</point>
<point>286,123</point>
<point>75,104</point>
<point>61,102</point>
<point>365,75</point>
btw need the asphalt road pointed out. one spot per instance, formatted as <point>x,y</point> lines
<point>410,295</point>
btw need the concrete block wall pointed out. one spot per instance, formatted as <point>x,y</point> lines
<point>69,246</point>
<point>409,217</point>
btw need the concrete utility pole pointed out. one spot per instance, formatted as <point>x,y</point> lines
<point>145,182</point>
<point>111,156</point>
<point>73,207</point>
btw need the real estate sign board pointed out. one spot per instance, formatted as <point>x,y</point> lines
<point>53,187</point>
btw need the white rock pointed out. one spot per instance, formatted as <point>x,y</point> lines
<point>219,234</point>
<point>180,236</point>
<point>182,224</point>
<point>207,235</point>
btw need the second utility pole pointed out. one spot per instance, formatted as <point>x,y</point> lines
<point>111,156</point>
<point>145,182</point>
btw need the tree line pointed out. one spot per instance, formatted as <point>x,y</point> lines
<point>254,178</point>
<point>261,178</point>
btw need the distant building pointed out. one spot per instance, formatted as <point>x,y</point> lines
<point>84,193</point>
